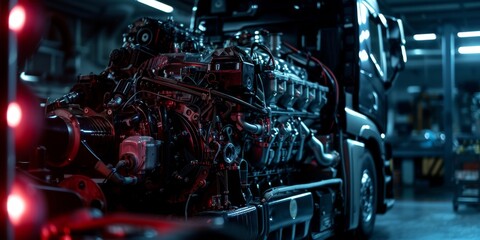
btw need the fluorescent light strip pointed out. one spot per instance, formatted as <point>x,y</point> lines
<point>469,50</point>
<point>158,5</point>
<point>425,37</point>
<point>468,34</point>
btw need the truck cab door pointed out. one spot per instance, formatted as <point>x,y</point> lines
<point>381,57</point>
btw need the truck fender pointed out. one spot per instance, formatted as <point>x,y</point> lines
<point>352,151</point>
<point>359,125</point>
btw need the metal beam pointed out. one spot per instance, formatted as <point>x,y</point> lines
<point>448,76</point>
<point>426,8</point>
<point>8,61</point>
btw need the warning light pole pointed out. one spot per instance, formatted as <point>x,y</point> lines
<point>8,71</point>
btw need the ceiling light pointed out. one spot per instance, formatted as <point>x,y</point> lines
<point>158,5</point>
<point>414,89</point>
<point>425,37</point>
<point>469,50</point>
<point>468,34</point>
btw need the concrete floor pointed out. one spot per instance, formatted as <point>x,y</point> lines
<point>427,213</point>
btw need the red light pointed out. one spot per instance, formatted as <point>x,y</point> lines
<point>17,18</point>
<point>25,207</point>
<point>14,114</point>
<point>16,207</point>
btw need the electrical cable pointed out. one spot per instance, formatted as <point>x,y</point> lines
<point>201,92</point>
<point>114,170</point>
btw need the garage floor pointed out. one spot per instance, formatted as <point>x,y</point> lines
<point>426,213</point>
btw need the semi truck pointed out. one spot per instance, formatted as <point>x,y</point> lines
<point>269,116</point>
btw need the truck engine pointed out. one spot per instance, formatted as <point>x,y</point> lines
<point>182,127</point>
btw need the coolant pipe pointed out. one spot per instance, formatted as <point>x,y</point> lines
<point>277,190</point>
<point>64,101</point>
<point>303,132</point>
<point>278,153</point>
<point>115,102</point>
<point>249,127</point>
<point>273,137</point>
<point>290,149</point>
<point>323,158</point>
<point>121,90</point>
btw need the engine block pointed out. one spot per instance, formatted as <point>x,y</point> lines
<point>185,124</point>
